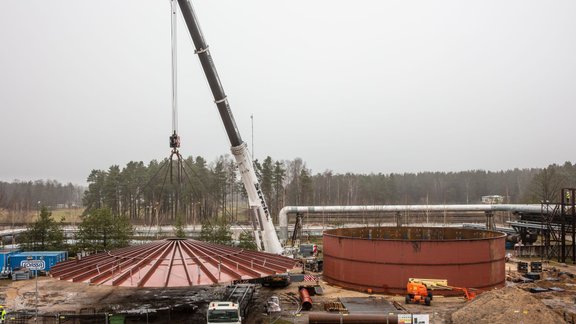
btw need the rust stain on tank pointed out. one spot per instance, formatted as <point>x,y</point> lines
<point>383,258</point>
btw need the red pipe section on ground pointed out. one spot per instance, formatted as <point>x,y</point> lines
<point>306,300</point>
<point>326,318</point>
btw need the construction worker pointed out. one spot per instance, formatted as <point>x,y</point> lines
<point>2,314</point>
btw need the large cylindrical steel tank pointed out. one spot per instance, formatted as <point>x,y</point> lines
<point>382,259</point>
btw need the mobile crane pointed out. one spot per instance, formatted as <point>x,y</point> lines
<point>264,232</point>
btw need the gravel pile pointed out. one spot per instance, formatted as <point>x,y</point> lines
<point>506,305</point>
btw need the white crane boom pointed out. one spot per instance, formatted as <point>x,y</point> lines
<point>264,231</point>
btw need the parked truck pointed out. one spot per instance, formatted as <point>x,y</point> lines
<point>233,308</point>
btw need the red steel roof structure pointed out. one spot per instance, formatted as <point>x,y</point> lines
<point>172,263</point>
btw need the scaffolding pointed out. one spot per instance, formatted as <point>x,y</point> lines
<point>559,222</point>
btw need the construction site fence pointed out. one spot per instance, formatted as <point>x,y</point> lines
<point>90,316</point>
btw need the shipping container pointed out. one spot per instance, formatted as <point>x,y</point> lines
<point>50,258</point>
<point>4,262</point>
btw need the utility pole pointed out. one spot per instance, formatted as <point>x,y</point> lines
<point>252,124</point>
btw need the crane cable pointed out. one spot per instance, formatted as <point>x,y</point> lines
<point>174,10</point>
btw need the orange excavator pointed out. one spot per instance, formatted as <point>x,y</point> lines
<point>420,290</point>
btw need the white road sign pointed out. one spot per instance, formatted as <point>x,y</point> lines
<point>33,264</point>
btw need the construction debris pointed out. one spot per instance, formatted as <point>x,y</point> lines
<point>335,306</point>
<point>399,306</point>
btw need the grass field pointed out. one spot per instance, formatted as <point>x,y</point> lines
<point>71,215</point>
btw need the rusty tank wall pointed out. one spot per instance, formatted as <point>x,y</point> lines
<point>383,258</point>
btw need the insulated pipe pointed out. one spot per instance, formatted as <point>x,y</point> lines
<point>306,300</point>
<point>283,216</point>
<point>327,318</point>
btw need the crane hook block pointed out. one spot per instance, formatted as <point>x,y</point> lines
<point>174,141</point>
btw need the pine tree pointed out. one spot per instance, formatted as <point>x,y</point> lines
<point>207,232</point>
<point>101,231</point>
<point>278,182</point>
<point>223,233</point>
<point>246,241</point>
<point>179,227</point>
<point>44,234</point>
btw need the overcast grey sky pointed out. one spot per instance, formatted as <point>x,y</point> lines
<point>350,86</point>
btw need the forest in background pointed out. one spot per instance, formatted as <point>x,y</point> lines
<point>28,196</point>
<point>153,194</point>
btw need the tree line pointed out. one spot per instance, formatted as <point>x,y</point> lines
<point>31,195</point>
<point>117,198</point>
<point>152,193</point>
<point>98,231</point>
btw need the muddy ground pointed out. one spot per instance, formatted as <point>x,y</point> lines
<point>512,304</point>
<point>188,305</point>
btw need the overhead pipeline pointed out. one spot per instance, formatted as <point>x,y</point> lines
<point>283,215</point>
